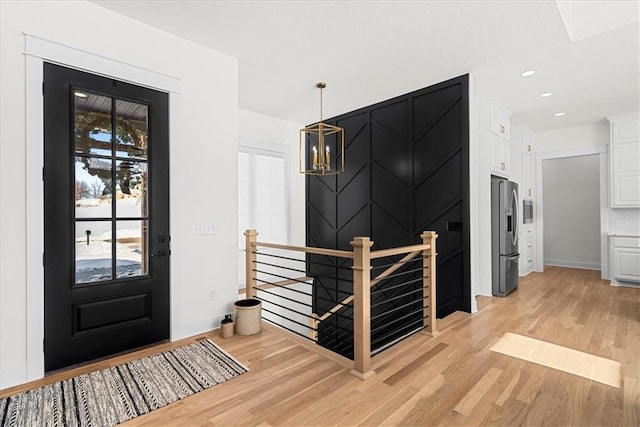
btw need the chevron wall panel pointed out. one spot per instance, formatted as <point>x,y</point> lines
<point>406,171</point>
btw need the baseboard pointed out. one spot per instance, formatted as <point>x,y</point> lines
<point>10,377</point>
<point>199,327</point>
<point>615,282</point>
<point>572,264</point>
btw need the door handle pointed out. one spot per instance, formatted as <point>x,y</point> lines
<point>515,216</point>
<point>161,253</point>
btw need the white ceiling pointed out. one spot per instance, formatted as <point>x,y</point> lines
<point>369,51</point>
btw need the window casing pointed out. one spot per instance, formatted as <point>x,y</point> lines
<point>263,194</point>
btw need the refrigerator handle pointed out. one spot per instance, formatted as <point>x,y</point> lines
<point>515,216</point>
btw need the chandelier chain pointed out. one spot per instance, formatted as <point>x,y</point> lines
<point>320,104</point>
<point>321,86</point>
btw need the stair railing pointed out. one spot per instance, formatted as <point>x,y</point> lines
<point>360,299</point>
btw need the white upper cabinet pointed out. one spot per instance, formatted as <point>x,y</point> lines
<point>499,121</point>
<point>527,140</point>
<point>625,128</point>
<point>528,176</point>
<point>523,139</point>
<point>500,155</point>
<point>624,161</point>
<point>499,132</point>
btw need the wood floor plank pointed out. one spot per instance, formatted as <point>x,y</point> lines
<point>418,400</point>
<point>458,379</point>
<point>415,364</point>
<point>471,399</point>
<point>594,405</point>
<point>451,379</point>
<point>297,404</point>
<point>394,402</point>
<point>513,414</point>
<point>631,402</point>
<point>506,393</point>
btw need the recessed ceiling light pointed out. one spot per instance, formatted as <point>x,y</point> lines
<point>528,73</point>
<point>81,95</point>
<point>545,95</point>
<point>559,114</point>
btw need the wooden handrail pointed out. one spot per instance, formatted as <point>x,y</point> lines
<point>397,251</point>
<point>336,307</point>
<point>389,271</point>
<point>280,283</point>
<point>307,249</point>
<point>395,267</point>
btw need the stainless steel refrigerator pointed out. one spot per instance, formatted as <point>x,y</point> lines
<point>504,236</point>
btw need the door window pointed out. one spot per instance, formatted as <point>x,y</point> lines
<point>111,188</point>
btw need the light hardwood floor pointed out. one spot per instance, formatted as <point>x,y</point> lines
<point>452,379</point>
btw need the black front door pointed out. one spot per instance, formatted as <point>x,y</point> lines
<point>106,210</point>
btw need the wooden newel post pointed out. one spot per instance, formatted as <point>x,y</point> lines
<point>429,282</point>
<point>313,327</point>
<point>362,307</point>
<point>250,247</point>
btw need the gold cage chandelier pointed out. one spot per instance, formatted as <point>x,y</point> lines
<point>321,147</point>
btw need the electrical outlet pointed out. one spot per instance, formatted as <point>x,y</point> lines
<point>205,229</point>
<point>212,294</point>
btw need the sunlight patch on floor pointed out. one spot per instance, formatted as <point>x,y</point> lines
<point>564,359</point>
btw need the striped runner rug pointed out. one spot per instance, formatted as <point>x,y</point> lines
<point>120,393</point>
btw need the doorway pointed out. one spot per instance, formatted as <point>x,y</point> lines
<point>591,152</point>
<point>571,194</point>
<point>106,210</point>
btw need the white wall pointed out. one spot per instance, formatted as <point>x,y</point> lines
<point>591,135</point>
<point>205,172</point>
<point>571,195</point>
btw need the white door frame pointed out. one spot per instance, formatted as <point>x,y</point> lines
<point>600,150</point>
<point>37,51</point>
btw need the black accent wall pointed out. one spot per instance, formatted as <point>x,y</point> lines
<point>407,170</point>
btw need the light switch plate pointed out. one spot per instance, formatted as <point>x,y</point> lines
<point>205,229</point>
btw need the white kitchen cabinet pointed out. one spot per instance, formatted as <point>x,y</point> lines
<point>527,191</point>
<point>499,122</point>
<point>625,259</point>
<point>494,132</point>
<point>625,175</point>
<point>527,249</point>
<point>624,161</point>
<point>523,171</point>
<point>527,140</point>
<point>625,128</point>
<point>500,156</point>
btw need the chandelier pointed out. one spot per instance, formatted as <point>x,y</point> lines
<point>321,147</point>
